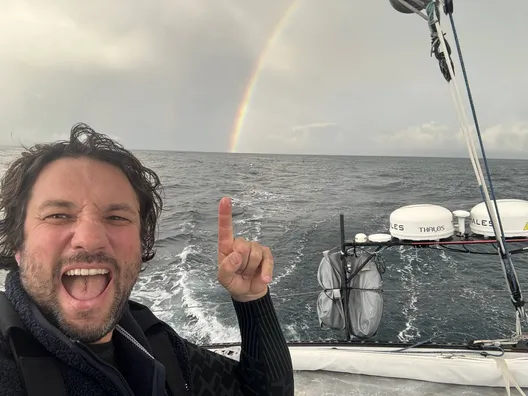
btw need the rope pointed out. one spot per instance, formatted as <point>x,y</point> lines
<point>509,271</point>
<point>432,15</point>
<point>477,127</point>
<point>508,377</point>
<point>432,338</point>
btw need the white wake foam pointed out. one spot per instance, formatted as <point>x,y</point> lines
<point>410,284</point>
<point>173,294</point>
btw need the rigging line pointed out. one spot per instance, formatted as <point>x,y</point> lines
<point>435,20</point>
<point>511,268</point>
<point>438,335</point>
<point>474,113</point>
<point>460,110</point>
<point>513,285</point>
<point>471,147</point>
<point>509,272</point>
<point>479,135</point>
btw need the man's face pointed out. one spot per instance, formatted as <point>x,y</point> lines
<point>82,250</point>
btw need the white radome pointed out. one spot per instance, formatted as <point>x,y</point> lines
<point>513,214</point>
<point>421,222</point>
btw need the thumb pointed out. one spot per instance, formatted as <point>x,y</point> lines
<point>228,268</point>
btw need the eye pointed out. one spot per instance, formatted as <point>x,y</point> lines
<point>116,218</point>
<point>58,216</point>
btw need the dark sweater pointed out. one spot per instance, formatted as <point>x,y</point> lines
<point>264,368</point>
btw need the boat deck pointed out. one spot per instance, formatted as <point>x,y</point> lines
<point>312,383</point>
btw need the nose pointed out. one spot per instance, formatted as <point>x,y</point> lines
<point>89,234</point>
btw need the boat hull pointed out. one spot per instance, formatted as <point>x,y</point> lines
<point>457,366</point>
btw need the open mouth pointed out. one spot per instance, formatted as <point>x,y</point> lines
<point>85,284</point>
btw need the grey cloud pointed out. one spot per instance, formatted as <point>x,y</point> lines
<point>178,82</point>
<point>369,70</point>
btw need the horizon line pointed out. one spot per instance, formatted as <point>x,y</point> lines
<point>440,156</point>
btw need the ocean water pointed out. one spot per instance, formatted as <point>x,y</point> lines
<point>292,204</point>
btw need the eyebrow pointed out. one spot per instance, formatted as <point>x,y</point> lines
<point>122,206</point>
<point>56,203</point>
<point>59,203</point>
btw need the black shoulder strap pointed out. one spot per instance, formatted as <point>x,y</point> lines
<point>162,347</point>
<point>39,369</point>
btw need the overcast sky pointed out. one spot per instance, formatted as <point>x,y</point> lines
<point>344,77</point>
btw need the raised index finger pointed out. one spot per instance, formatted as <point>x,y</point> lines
<point>225,227</point>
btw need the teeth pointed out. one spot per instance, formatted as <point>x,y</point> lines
<point>87,271</point>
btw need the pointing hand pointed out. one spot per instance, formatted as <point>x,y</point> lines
<point>244,268</point>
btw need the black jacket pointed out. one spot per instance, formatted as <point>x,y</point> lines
<point>265,366</point>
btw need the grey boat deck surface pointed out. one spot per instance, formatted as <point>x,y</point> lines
<point>311,383</point>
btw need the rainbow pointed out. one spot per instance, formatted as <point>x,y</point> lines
<point>253,79</point>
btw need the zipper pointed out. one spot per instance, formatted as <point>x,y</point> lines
<point>133,341</point>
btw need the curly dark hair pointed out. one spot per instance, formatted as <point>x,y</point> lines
<point>17,182</point>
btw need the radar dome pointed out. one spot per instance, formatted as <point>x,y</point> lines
<point>513,215</point>
<point>423,222</point>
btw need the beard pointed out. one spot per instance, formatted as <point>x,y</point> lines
<point>43,285</point>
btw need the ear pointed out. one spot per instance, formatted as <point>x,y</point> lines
<point>17,258</point>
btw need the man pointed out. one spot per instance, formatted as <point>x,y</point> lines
<point>79,220</point>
